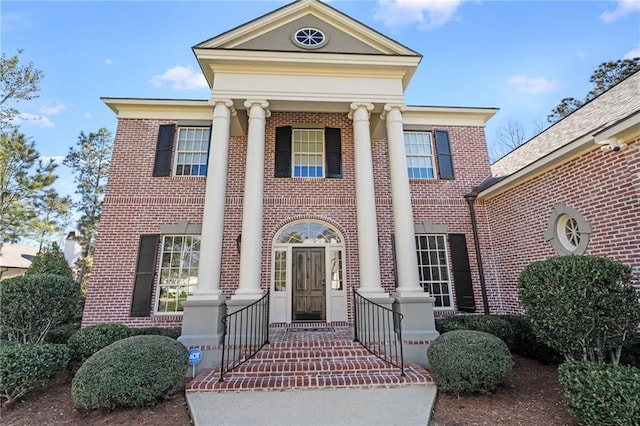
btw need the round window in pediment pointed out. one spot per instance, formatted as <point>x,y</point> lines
<point>309,38</point>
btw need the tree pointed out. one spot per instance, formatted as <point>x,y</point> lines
<point>18,82</point>
<point>607,75</point>
<point>53,213</point>
<point>50,261</point>
<point>24,181</point>
<point>90,160</point>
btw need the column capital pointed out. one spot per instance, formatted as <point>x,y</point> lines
<point>392,107</point>
<point>249,103</point>
<point>224,102</point>
<point>359,105</point>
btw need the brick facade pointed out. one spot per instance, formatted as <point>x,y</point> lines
<point>137,203</point>
<point>604,187</point>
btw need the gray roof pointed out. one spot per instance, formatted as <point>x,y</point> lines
<point>617,103</point>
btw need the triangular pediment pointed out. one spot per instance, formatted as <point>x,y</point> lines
<point>276,31</point>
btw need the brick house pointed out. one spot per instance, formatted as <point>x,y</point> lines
<point>307,176</point>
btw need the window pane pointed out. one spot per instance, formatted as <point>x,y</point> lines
<point>178,275</point>
<point>192,152</point>
<point>433,268</point>
<point>419,153</point>
<point>308,152</point>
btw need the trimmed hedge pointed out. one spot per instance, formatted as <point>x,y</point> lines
<point>134,372</point>
<point>32,305</point>
<point>583,306</point>
<point>173,333</point>
<point>89,340</point>
<point>464,362</point>
<point>601,394</point>
<point>514,330</point>
<point>26,366</point>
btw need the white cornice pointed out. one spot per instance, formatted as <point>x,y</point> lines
<point>171,109</point>
<point>447,116</point>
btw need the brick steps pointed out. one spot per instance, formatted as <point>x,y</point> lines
<point>304,361</point>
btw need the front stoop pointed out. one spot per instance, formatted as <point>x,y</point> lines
<point>311,360</point>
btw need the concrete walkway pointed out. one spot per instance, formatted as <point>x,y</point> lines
<point>410,405</point>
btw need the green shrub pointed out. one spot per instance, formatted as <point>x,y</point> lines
<point>89,340</point>
<point>514,330</point>
<point>26,366</point>
<point>582,306</point>
<point>50,261</point>
<point>133,372</point>
<point>62,333</point>
<point>601,394</point>
<point>173,333</point>
<point>463,362</point>
<point>32,305</point>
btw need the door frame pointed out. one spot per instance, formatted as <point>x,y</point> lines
<point>281,303</point>
<point>308,249</point>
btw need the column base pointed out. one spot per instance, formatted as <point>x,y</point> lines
<point>418,325</point>
<point>202,328</point>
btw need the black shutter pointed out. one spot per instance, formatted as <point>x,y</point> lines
<point>333,152</point>
<point>445,158</point>
<point>162,166</point>
<point>283,152</point>
<point>461,273</point>
<point>143,285</point>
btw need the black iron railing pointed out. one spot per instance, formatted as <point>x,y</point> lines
<point>245,333</point>
<point>379,330</point>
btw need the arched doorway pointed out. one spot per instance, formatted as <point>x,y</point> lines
<point>307,274</point>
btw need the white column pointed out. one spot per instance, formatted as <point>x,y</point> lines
<point>214,203</point>
<point>369,257</point>
<point>251,244</point>
<point>405,245</point>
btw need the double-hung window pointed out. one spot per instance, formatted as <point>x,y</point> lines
<point>178,279</point>
<point>308,153</point>
<point>419,151</point>
<point>192,151</point>
<point>433,268</point>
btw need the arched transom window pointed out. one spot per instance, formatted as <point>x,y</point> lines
<point>309,232</point>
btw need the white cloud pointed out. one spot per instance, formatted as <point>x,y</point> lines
<point>427,13</point>
<point>181,78</point>
<point>108,61</point>
<point>57,159</point>
<point>635,53</point>
<point>87,115</point>
<point>533,84</point>
<point>33,119</point>
<point>625,7</point>
<point>52,110</point>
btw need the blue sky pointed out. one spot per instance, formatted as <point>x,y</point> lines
<point>520,56</point>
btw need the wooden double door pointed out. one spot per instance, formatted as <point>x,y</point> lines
<point>309,289</point>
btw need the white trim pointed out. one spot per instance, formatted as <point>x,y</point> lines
<point>335,300</point>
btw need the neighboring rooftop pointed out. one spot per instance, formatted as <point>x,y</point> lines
<point>15,256</point>
<point>617,103</point>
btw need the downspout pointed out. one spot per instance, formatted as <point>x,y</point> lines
<point>471,199</point>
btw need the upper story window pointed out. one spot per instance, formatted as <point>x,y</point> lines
<point>188,151</point>
<point>308,153</point>
<point>192,151</point>
<point>419,151</point>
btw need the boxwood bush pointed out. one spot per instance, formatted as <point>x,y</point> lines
<point>26,366</point>
<point>601,394</point>
<point>174,333</point>
<point>89,340</point>
<point>133,372</point>
<point>463,362</point>
<point>32,305</point>
<point>582,306</point>
<point>514,330</point>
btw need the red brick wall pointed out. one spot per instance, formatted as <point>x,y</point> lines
<point>604,187</point>
<point>137,203</point>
